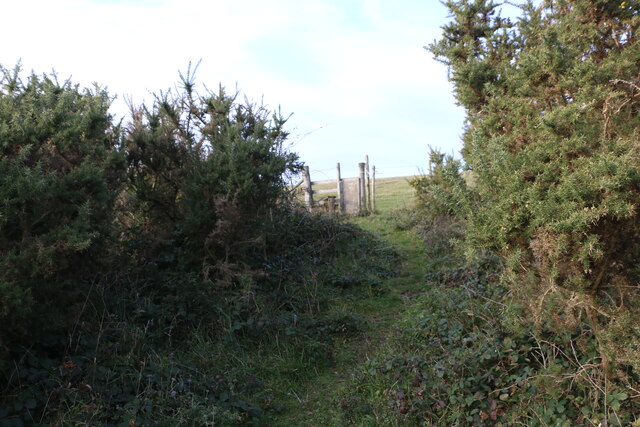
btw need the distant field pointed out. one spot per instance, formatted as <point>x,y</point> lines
<point>391,193</point>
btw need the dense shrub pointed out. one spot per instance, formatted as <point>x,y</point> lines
<point>458,359</point>
<point>204,173</point>
<point>134,262</point>
<point>60,173</point>
<point>552,137</point>
<point>154,345</point>
<point>443,193</point>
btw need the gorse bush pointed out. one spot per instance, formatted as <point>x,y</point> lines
<point>204,172</point>
<point>444,202</point>
<point>458,359</point>
<point>60,173</point>
<point>443,192</point>
<point>552,138</point>
<point>135,259</point>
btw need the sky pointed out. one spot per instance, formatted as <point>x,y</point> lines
<point>354,74</point>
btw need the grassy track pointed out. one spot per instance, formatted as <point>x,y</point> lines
<point>320,400</point>
<point>437,347</point>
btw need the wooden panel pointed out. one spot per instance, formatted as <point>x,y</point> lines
<point>351,195</point>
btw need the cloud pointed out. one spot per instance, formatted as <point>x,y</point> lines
<point>353,72</point>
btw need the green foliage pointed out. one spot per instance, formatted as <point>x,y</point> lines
<point>60,172</point>
<point>163,346</point>
<point>458,359</point>
<point>443,193</point>
<point>176,254</point>
<point>552,138</point>
<point>204,173</point>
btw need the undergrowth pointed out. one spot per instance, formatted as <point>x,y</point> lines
<point>155,347</point>
<point>463,355</point>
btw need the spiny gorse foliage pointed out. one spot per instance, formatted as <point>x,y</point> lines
<point>60,172</point>
<point>552,104</point>
<point>204,172</point>
<point>119,244</point>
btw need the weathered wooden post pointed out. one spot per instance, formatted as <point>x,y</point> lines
<point>368,200</point>
<point>340,190</point>
<point>308,191</point>
<point>363,189</point>
<point>359,195</point>
<point>373,191</point>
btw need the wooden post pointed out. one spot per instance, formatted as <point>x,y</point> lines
<point>359,195</point>
<point>368,200</point>
<point>308,191</point>
<point>363,189</point>
<point>373,191</point>
<point>340,190</point>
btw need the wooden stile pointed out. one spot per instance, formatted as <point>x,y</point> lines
<point>368,184</point>
<point>347,196</point>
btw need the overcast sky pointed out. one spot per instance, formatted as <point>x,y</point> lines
<point>353,72</point>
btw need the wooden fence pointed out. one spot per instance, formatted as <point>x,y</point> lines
<point>343,195</point>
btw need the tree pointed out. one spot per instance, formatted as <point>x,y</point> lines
<point>552,107</point>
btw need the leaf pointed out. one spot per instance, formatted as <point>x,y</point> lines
<point>615,405</point>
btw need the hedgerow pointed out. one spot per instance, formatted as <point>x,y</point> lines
<point>463,356</point>
<point>136,258</point>
<point>552,140</point>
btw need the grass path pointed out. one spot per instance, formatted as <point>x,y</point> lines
<point>319,401</point>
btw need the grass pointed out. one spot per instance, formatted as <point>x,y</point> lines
<point>321,398</point>
<point>394,193</point>
<point>438,350</point>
